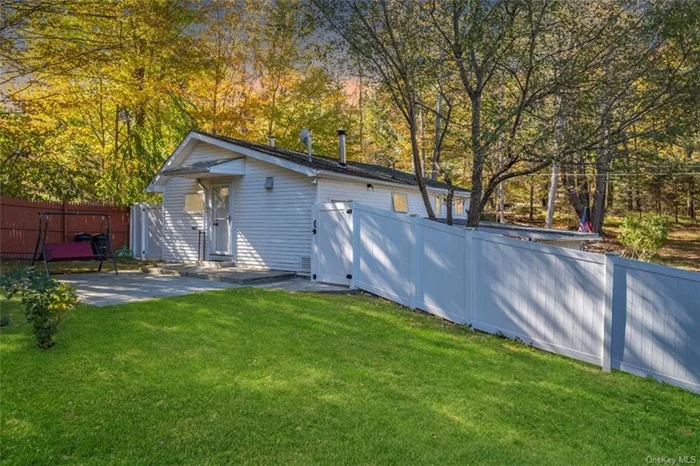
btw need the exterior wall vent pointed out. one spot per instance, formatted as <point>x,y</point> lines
<point>305,264</point>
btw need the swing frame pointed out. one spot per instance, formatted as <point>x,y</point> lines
<point>40,250</point>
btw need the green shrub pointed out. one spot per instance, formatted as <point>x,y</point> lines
<point>643,237</point>
<point>45,301</point>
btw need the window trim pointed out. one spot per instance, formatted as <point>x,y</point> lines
<point>459,201</point>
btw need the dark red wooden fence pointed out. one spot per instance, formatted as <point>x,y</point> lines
<point>19,224</point>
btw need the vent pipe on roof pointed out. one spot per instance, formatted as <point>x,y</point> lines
<point>271,141</point>
<point>341,148</point>
<point>308,147</point>
<point>305,138</point>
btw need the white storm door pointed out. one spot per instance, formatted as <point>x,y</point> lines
<point>220,220</point>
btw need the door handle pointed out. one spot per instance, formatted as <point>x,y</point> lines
<point>216,224</point>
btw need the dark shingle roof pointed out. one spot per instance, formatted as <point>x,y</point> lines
<point>321,162</point>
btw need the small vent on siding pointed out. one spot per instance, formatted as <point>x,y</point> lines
<point>305,264</point>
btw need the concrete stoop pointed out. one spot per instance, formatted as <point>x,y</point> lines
<point>221,273</point>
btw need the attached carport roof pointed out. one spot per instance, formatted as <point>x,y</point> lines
<point>211,167</point>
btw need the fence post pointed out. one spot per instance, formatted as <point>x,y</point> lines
<point>474,246</point>
<point>416,262</point>
<point>468,292</point>
<point>144,229</point>
<point>131,229</point>
<point>355,245</point>
<point>608,310</point>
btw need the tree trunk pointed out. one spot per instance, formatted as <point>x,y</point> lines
<point>501,203</point>
<point>501,192</point>
<point>629,182</point>
<point>448,205</point>
<point>690,204</point>
<point>675,201</point>
<point>436,144</point>
<point>532,201</point>
<point>551,200</point>
<point>558,135</point>
<point>476,204</point>
<point>576,186</point>
<point>362,117</point>
<point>422,136</point>
<point>601,180</point>
<point>602,169</point>
<point>415,149</point>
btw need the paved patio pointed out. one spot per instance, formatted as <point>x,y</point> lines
<point>105,289</point>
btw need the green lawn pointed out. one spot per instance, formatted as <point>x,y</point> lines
<point>253,376</point>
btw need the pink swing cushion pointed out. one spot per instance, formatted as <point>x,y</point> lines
<point>69,251</point>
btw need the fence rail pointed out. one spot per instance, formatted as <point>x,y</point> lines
<point>603,309</point>
<point>19,224</point>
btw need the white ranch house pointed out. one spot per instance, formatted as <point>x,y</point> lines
<point>228,199</point>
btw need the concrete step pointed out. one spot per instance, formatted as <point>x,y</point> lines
<point>228,275</point>
<point>216,264</point>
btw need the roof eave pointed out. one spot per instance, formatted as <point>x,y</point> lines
<point>153,188</point>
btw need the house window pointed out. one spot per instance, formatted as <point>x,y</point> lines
<point>459,206</point>
<point>438,205</point>
<point>400,202</point>
<point>194,203</point>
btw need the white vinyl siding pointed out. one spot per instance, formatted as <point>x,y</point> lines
<point>272,226</point>
<point>180,229</point>
<point>379,197</point>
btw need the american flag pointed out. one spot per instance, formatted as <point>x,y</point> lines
<point>585,225</point>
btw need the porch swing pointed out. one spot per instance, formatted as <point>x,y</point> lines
<point>87,247</point>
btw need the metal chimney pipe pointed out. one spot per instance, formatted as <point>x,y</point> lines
<point>341,148</point>
<point>308,147</point>
<point>271,141</point>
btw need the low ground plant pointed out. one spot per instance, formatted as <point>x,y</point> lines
<point>44,299</point>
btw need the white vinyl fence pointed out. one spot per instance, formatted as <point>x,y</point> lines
<point>147,231</point>
<point>656,322</point>
<point>602,309</point>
